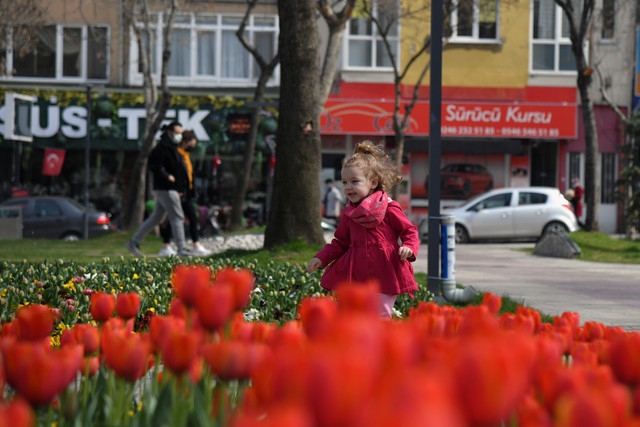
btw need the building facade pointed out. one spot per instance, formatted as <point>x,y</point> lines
<point>509,98</point>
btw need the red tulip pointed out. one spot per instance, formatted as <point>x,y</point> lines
<point>280,416</point>
<point>215,305</point>
<point>624,357</point>
<point>34,322</point>
<point>593,331</point>
<point>126,353</point>
<point>231,360</point>
<point>530,413</point>
<point>414,398</point>
<point>582,352</point>
<point>177,309</point>
<point>91,365</point>
<point>179,350</point>
<point>517,322</point>
<point>9,329</point>
<point>102,306</point>
<point>37,372</point>
<point>340,379</point>
<point>492,302</point>
<point>161,326</point>
<point>315,314</point>
<point>359,297</point>
<point>492,374</point>
<point>282,376</point>
<point>241,282</point>
<point>128,305</point>
<point>478,320</point>
<point>591,406</point>
<point>533,314</point>
<point>16,413</point>
<point>82,333</point>
<point>187,282</point>
<point>290,334</point>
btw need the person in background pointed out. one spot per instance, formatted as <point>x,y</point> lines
<point>576,201</point>
<point>333,201</point>
<point>374,240</point>
<point>170,182</point>
<point>188,203</point>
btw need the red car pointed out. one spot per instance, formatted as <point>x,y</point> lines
<point>463,180</point>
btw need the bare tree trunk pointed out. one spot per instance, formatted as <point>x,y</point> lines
<point>592,165</point>
<point>266,70</point>
<point>336,20</point>
<point>133,212</point>
<point>295,204</point>
<point>249,148</point>
<point>579,15</point>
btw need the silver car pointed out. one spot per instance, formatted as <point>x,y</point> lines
<point>522,213</point>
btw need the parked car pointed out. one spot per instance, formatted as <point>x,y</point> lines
<point>517,213</point>
<point>55,217</point>
<point>463,180</point>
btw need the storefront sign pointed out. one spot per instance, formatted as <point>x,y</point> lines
<point>71,122</point>
<point>497,120</point>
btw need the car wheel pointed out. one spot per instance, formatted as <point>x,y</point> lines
<point>462,236</point>
<point>70,237</point>
<point>466,188</point>
<point>556,227</point>
<point>490,186</point>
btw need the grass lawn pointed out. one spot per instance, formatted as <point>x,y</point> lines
<point>597,247</point>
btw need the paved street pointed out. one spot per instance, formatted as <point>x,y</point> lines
<point>607,293</point>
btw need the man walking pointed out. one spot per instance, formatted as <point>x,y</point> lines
<point>170,184</point>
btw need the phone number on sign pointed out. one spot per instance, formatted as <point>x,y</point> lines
<point>500,131</point>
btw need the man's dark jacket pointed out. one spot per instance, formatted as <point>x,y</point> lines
<point>165,160</point>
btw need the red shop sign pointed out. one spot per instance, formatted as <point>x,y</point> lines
<point>459,119</point>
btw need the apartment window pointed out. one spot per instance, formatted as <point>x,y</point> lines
<point>472,20</point>
<point>364,43</point>
<point>608,178</point>
<point>74,53</point>
<point>205,49</point>
<point>550,44</point>
<point>608,19</point>
<point>234,57</point>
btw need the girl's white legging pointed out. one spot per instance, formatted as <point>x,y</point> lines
<point>386,305</point>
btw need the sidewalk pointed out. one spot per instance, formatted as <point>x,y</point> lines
<point>606,293</point>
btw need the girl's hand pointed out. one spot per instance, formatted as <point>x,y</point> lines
<point>405,253</point>
<point>314,265</point>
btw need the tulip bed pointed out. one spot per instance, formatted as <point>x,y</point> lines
<point>67,287</point>
<point>201,362</point>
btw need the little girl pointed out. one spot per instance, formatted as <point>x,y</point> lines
<point>374,239</point>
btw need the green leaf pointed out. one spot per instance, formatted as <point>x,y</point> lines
<point>163,408</point>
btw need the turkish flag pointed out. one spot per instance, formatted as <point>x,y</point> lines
<point>52,161</point>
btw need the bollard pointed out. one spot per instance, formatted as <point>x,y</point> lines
<point>447,248</point>
<point>448,264</point>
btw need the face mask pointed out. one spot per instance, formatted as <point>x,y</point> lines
<point>177,137</point>
<point>188,148</point>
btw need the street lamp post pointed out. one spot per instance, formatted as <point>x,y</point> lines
<point>87,164</point>
<point>435,119</point>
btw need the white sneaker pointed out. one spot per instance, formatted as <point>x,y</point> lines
<point>167,251</point>
<point>200,251</point>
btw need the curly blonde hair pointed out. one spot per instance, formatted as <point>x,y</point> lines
<point>375,163</point>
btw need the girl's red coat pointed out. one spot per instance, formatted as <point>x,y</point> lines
<point>358,254</point>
